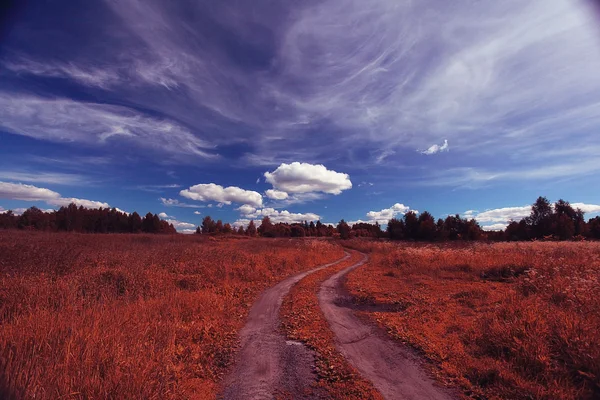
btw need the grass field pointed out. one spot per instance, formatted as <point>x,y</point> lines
<point>508,320</point>
<point>131,316</point>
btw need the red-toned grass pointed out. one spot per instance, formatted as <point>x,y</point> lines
<point>131,316</point>
<point>515,321</point>
<point>303,320</point>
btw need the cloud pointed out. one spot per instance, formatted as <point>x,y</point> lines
<point>177,203</point>
<point>80,202</point>
<point>19,191</point>
<point>65,120</point>
<point>276,194</point>
<point>436,148</point>
<point>305,178</point>
<point>587,208</point>
<point>179,225</point>
<point>246,209</point>
<point>182,227</point>
<point>197,212</point>
<point>497,215</point>
<point>383,216</point>
<point>157,188</point>
<point>44,177</point>
<point>227,195</point>
<point>276,216</point>
<point>494,227</point>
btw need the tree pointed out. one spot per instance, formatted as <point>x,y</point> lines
<point>198,230</point>
<point>343,229</point>
<point>297,231</point>
<point>135,222</point>
<point>240,230</point>
<point>427,227</point>
<point>540,219</point>
<point>208,225</point>
<point>395,229</point>
<point>411,225</point>
<point>251,231</point>
<point>266,227</point>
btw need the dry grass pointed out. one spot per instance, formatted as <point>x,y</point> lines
<point>303,320</point>
<point>515,321</point>
<point>131,316</point>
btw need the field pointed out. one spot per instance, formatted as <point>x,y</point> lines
<point>514,321</point>
<point>131,316</point>
<point>159,316</point>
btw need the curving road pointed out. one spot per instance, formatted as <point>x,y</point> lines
<point>392,369</point>
<point>267,363</point>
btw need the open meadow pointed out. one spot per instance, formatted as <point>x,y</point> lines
<point>131,316</point>
<point>504,320</point>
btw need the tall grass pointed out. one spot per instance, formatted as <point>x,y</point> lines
<point>131,316</point>
<point>506,320</point>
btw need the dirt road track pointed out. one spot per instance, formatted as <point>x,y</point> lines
<point>267,363</point>
<point>393,369</point>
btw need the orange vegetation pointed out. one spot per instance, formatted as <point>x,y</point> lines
<point>131,316</point>
<point>302,320</point>
<point>506,320</point>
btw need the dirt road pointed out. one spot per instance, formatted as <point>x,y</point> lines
<point>267,363</point>
<point>393,369</point>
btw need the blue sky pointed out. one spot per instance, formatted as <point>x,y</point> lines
<point>323,109</point>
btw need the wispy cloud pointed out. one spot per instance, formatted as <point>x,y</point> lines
<point>44,177</point>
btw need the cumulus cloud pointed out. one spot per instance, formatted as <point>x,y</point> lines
<point>179,225</point>
<point>494,227</point>
<point>436,148</point>
<point>276,194</point>
<point>276,216</point>
<point>246,209</point>
<point>305,178</point>
<point>225,195</point>
<point>497,215</point>
<point>197,212</point>
<point>499,218</point>
<point>587,208</point>
<point>19,191</point>
<point>163,215</point>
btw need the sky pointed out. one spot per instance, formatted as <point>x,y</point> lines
<point>329,109</point>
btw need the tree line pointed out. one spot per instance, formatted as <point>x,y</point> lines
<point>80,219</point>
<point>547,221</point>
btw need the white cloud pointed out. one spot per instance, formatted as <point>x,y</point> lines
<point>187,231</point>
<point>179,225</point>
<point>436,148</point>
<point>498,215</point>
<point>386,214</point>
<point>177,203</point>
<point>305,178</point>
<point>43,177</point>
<point>65,201</point>
<point>494,227</point>
<point>213,192</point>
<point>163,215</point>
<point>587,208</point>
<point>246,209</point>
<point>276,194</point>
<point>197,212</point>
<point>19,191</point>
<point>64,120</point>
<point>276,216</point>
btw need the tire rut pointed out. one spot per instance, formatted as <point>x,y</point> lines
<point>393,369</point>
<point>267,363</point>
